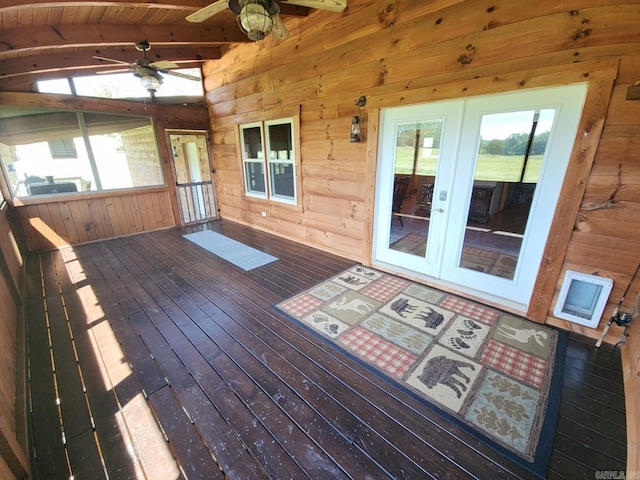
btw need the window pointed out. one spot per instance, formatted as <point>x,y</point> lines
<point>418,147</point>
<point>50,151</point>
<point>269,160</point>
<point>125,86</point>
<point>513,144</point>
<point>253,160</point>
<point>63,148</point>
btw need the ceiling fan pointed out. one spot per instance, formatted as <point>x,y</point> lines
<point>148,71</point>
<point>258,18</point>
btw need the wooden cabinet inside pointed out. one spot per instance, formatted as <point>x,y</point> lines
<point>480,203</point>
<point>478,209</point>
<point>423,204</point>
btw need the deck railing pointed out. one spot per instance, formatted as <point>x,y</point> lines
<point>197,201</point>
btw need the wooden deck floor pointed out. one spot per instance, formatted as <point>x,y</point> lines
<point>150,358</point>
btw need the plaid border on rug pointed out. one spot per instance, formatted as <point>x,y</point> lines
<point>515,363</point>
<point>384,355</point>
<point>475,364</point>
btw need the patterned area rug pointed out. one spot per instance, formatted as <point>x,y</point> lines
<point>491,371</point>
<point>480,259</point>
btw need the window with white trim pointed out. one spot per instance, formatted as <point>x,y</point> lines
<point>269,160</point>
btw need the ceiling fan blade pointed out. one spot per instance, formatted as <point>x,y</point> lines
<point>108,72</point>
<point>182,75</point>
<point>330,5</point>
<point>279,30</point>
<point>206,12</point>
<point>164,65</point>
<point>112,60</point>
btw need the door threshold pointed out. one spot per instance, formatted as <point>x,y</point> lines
<point>494,301</point>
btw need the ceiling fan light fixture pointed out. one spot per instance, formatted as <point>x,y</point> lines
<point>150,83</point>
<point>255,20</point>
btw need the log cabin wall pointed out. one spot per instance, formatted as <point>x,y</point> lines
<point>57,221</point>
<point>398,53</point>
<point>411,52</point>
<point>13,456</point>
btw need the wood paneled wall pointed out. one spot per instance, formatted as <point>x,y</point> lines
<point>631,371</point>
<point>411,51</point>
<point>67,220</point>
<point>59,222</point>
<point>13,458</point>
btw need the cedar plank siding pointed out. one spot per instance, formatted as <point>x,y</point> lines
<point>409,52</point>
<point>13,456</point>
<point>52,222</point>
<point>413,52</point>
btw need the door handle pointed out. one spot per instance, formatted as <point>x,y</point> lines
<point>439,210</point>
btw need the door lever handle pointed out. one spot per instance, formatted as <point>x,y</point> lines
<point>440,210</point>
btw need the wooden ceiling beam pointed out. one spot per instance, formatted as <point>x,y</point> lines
<point>83,61</point>
<point>25,81</point>
<point>6,5</point>
<point>101,35</point>
<point>189,6</point>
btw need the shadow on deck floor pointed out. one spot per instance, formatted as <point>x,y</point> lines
<point>171,363</point>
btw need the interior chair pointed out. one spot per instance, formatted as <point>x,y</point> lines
<point>400,186</point>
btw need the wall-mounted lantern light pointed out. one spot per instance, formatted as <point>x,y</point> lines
<point>355,120</point>
<point>355,128</point>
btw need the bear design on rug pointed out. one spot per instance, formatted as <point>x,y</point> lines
<point>443,370</point>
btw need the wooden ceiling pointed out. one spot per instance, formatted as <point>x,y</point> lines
<point>52,39</point>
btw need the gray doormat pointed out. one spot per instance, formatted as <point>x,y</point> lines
<point>231,250</point>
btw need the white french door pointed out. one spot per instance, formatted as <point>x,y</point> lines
<point>484,178</point>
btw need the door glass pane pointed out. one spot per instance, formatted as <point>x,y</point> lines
<point>508,164</point>
<point>417,151</point>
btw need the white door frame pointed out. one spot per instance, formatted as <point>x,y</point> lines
<point>452,112</point>
<point>443,252</point>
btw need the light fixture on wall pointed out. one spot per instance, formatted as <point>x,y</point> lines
<point>355,121</point>
<point>355,129</point>
<point>255,20</point>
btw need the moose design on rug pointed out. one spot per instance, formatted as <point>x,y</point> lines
<point>351,307</point>
<point>523,335</point>
<point>354,304</point>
